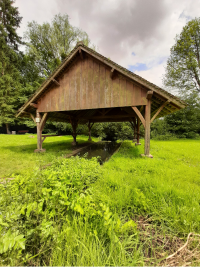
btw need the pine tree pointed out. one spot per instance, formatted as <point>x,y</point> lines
<point>9,61</point>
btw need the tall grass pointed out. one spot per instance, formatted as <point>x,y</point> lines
<point>130,211</point>
<point>167,187</point>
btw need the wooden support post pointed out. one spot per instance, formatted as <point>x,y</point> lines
<point>147,125</point>
<point>39,134</point>
<point>74,124</point>
<point>40,126</point>
<point>138,132</point>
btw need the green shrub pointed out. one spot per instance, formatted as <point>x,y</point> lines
<point>40,211</point>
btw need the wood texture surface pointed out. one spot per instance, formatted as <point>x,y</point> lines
<point>87,85</point>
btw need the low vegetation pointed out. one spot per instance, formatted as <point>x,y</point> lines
<point>17,155</point>
<point>130,211</point>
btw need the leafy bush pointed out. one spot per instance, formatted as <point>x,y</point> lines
<point>40,211</point>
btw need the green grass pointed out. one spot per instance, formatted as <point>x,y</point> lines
<point>162,195</point>
<point>167,186</point>
<point>17,152</point>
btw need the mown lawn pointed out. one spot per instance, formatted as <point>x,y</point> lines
<point>17,152</point>
<point>130,211</point>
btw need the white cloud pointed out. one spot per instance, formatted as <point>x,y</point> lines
<point>121,27</point>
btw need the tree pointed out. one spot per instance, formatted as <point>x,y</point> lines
<point>50,43</point>
<point>186,122</point>
<point>183,65</point>
<point>9,61</point>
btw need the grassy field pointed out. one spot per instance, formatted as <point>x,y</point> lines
<point>130,211</point>
<point>17,152</point>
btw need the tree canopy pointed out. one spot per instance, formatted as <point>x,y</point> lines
<point>183,65</point>
<point>48,44</point>
<point>9,61</point>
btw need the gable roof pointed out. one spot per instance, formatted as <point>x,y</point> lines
<point>134,77</point>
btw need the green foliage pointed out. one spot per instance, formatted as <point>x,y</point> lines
<point>10,85</point>
<point>184,123</point>
<point>19,149</point>
<point>37,209</point>
<point>183,65</point>
<point>48,44</point>
<point>113,131</point>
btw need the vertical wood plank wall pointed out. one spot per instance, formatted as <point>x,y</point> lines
<point>87,85</point>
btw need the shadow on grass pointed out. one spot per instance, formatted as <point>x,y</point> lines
<point>55,146</point>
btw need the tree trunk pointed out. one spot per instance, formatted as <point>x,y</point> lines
<point>7,128</point>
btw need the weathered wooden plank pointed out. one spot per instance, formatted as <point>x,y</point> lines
<point>66,92</point>
<point>139,115</point>
<point>72,89</point>
<point>57,96</point>
<point>61,93</point>
<point>108,88</point>
<point>102,86</point>
<point>136,94</point>
<point>122,91</point>
<point>115,86</point>
<point>147,127</point>
<point>85,82</point>
<point>90,83</point>
<point>77,84</point>
<point>54,96</point>
<point>87,85</point>
<point>129,93</point>
<point>96,87</point>
<point>81,85</point>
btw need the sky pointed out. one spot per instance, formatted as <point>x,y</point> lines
<point>136,34</point>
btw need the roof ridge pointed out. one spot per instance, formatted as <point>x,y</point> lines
<point>80,43</point>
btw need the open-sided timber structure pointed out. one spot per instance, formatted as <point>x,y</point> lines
<point>88,88</point>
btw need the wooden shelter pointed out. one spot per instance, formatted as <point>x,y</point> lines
<point>88,87</point>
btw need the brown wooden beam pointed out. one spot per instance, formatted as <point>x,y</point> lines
<point>56,82</point>
<point>39,137</point>
<point>139,115</point>
<point>147,127</point>
<point>112,116</point>
<point>32,117</point>
<point>105,111</point>
<point>159,110</point>
<point>111,120</point>
<point>149,95</point>
<point>112,73</point>
<point>81,53</point>
<point>138,132</point>
<point>43,121</point>
<point>34,105</point>
<point>74,124</point>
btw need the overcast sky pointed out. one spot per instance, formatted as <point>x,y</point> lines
<point>136,34</point>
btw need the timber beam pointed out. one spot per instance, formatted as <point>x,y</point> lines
<point>112,73</point>
<point>139,115</point>
<point>34,105</point>
<point>40,123</point>
<point>56,82</point>
<point>147,124</point>
<point>159,110</point>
